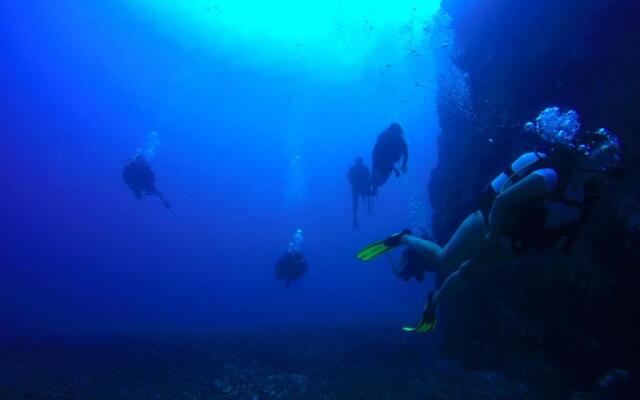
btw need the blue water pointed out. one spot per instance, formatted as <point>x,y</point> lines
<point>254,139</point>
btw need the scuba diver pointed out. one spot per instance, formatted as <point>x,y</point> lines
<point>139,177</point>
<point>359,178</point>
<point>539,201</point>
<point>292,265</point>
<point>389,149</point>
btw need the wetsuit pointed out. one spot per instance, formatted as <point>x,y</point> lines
<point>291,267</point>
<point>139,177</point>
<point>389,149</point>
<point>141,180</point>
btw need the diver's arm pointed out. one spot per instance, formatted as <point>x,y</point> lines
<point>532,186</point>
<point>405,156</point>
<point>126,177</point>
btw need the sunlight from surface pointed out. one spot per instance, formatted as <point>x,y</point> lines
<point>311,34</point>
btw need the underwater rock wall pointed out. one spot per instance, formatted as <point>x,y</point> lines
<point>576,315</point>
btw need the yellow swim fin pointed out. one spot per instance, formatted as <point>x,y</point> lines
<point>380,247</point>
<point>428,321</point>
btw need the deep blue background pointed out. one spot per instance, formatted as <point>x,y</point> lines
<point>81,85</point>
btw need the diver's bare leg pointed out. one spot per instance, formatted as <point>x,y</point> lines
<point>426,248</point>
<point>355,199</point>
<point>355,202</point>
<point>453,283</point>
<point>463,275</point>
<point>465,243</point>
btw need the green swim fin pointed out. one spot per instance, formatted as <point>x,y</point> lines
<point>422,327</point>
<point>428,321</point>
<point>380,247</point>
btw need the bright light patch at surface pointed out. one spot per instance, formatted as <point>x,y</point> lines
<point>315,33</point>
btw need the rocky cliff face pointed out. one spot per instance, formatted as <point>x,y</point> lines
<point>577,313</point>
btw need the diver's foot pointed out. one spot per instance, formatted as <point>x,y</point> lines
<point>396,240</point>
<point>428,321</point>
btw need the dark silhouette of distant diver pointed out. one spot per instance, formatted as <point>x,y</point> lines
<point>540,200</point>
<point>360,178</point>
<point>291,267</point>
<point>139,177</point>
<point>388,150</point>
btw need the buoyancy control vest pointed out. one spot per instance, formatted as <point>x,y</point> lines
<point>525,222</point>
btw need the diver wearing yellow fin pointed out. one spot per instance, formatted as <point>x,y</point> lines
<point>540,201</point>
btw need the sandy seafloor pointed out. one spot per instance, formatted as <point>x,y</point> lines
<point>253,366</point>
